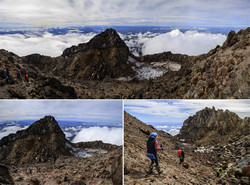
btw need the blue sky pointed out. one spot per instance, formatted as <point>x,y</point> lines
<point>160,112</point>
<point>130,12</point>
<point>97,111</point>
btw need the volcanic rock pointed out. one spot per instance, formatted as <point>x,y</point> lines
<point>210,127</point>
<point>42,141</point>
<point>105,55</point>
<point>96,145</point>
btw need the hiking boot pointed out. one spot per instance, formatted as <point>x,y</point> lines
<point>150,169</point>
<point>158,169</point>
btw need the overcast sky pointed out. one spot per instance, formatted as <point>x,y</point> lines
<point>120,12</point>
<point>176,111</point>
<point>98,111</point>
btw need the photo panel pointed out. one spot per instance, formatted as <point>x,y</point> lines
<point>186,141</point>
<point>74,141</point>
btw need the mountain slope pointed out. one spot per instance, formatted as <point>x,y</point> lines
<point>230,152</point>
<point>136,133</point>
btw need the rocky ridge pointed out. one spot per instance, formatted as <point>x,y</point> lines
<point>213,127</point>
<point>104,68</point>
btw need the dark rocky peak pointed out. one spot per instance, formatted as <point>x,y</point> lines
<point>105,40</point>
<point>43,141</point>
<point>46,125</point>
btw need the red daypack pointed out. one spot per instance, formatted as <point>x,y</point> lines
<point>179,153</point>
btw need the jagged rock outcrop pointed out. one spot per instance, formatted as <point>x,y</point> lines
<point>96,145</point>
<point>105,55</point>
<point>104,68</point>
<point>42,141</point>
<point>211,127</point>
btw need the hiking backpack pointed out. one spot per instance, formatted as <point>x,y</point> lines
<point>179,153</point>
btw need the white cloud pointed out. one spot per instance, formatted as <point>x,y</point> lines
<point>97,111</point>
<point>190,42</point>
<point>184,108</point>
<point>44,44</point>
<point>105,134</point>
<point>173,132</point>
<point>68,134</point>
<point>9,130</point>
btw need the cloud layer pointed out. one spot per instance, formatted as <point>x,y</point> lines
<point>10,129</point>
<point>130,12</point>
<point>44,44</point>
<point>190,42</point>
<point>105,134</point>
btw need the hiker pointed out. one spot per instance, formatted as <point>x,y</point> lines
<point>30,170</point>
<point>181,155</point>
<point>27,76</point>
<point>6,75</point>
<point>219,171</point>
<point>152,147</point>
<point>19,75</point>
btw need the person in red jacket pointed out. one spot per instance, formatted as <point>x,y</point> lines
<point>152,148</point>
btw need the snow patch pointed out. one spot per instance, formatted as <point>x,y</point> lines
<point>151,70</point>
<point>149,73</point>
<point>86,152</point>
<point>203,150</point>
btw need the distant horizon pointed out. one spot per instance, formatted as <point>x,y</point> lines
<point>118,12</point>
<point>64,120</point>
<point>175,112</point>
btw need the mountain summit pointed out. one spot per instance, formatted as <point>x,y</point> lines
<point>105,55</point>
<point>211,127</point>
<point>41,142</point>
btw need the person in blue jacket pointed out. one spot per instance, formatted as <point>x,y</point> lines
<point>152,148</point>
